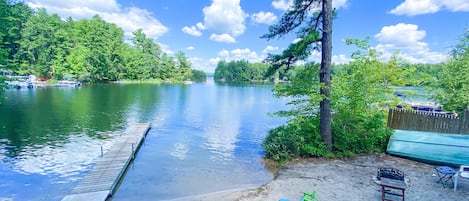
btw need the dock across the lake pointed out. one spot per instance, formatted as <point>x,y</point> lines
<point>102,180</point>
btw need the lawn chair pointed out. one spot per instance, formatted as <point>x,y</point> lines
<point>463,173</point>
<point>306,197</point>
<point>309,196</point>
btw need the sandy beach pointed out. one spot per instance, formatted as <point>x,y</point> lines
<point>346,179</point>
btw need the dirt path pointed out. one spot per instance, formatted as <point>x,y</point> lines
<point>347,180</point>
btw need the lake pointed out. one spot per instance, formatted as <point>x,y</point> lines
<point>205,137</point>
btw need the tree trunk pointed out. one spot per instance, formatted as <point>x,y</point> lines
<point>325,75</point>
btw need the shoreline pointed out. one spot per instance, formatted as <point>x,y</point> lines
<point>344,179</point>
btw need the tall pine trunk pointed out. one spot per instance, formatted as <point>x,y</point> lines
<point>325,75</point>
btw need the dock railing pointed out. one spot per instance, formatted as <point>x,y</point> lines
<point>428,121</point>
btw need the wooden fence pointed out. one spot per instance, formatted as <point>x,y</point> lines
<point>428,121</point>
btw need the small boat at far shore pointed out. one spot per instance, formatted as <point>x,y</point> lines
<point>430,147</point>
<point>187,82</point>
<point>67,83</point>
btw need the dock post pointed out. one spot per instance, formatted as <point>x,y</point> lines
<point>103,179</point>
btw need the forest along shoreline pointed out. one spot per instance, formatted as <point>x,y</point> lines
<point>344,179</point>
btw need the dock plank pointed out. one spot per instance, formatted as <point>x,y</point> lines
<point>100,182</point>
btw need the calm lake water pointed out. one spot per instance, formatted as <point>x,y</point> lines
<point>205,137</point>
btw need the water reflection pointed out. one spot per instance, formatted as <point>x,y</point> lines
<point>56,134</point>
<point>209,141</point>
<point>204,138</point>
<point>179,151</point>
<point>67,160</point>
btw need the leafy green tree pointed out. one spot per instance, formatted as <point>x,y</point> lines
<point>453,81</point>
<point>357,109</point>
<point>258,70</point>
<point>317,31</point>
<point>198,76</point>
<point>167,66</point>
<point>234,71</point>
<point>183,66</point>
<point>77,60</point>
<point>146,56</point>
<point>220,70</point>
<point>358,100</point>
<point>104,43</point>
<point>13,17</point>
<point>40,44</point>
<point>90,49</point>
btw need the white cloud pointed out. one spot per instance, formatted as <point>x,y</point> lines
<point>339,4</point>
<point>201,64</point>
<point>456,5</point>
<point>59,5</point>
<point>165,49</point>
<point>200,26</point>
<point>136,18</point>
<point>224,53</point>
<point>407,39</point>
<point>225,17</point>
<point>128,18</point>
<point>264,18</point>
<point>214,61</point>
<point>269,49</point>
<point>192,31</point>
<point>285,4</point>
<point>190,48</point>
<point>282,4</point>
<point>205,65</point>
<point>296,40</point>
<point>239,54</point>
<point>224,38</point>
<point>245,54</point>
<point>419,7</point>
<point>401,34</point>
<point>341,59</point>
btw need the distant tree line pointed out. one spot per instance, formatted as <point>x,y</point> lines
<point>244,71</point>
<point>35,42</point>
<point>396,72</point>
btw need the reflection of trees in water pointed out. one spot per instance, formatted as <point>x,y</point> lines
<point>48,117</point>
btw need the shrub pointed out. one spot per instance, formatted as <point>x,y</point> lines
<point>297,138</point>
<point>361,134</point>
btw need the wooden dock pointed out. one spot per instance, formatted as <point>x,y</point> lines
<point>101,181</point>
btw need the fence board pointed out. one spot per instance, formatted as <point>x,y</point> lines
<point>427,121</point>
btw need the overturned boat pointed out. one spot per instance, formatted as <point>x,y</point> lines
<point>430,147</point>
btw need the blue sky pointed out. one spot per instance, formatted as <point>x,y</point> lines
<point>208,31</point>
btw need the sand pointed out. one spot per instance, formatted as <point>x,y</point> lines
<point>347,180</point>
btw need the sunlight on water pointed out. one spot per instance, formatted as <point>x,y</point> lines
<point>204,138</point>
<point>67,161</point>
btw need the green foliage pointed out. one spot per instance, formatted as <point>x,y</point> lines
<point>300,137</point>
<point>358,100</point>
<point>360,133</point>
<point>452,85</point>
<point>183,67</point>
<point>240,71</point>
<point>421,74</point>
<point>198,76</point>
<point>13,17</point>
<point>90,49</point>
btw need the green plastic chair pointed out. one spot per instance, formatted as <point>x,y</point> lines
<point>309,196</point>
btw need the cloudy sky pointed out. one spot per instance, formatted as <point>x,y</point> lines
<point>212,30</point>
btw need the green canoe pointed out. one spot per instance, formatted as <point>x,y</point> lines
<point>435,148</point>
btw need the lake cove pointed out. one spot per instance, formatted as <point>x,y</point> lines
<point>205,137</point>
